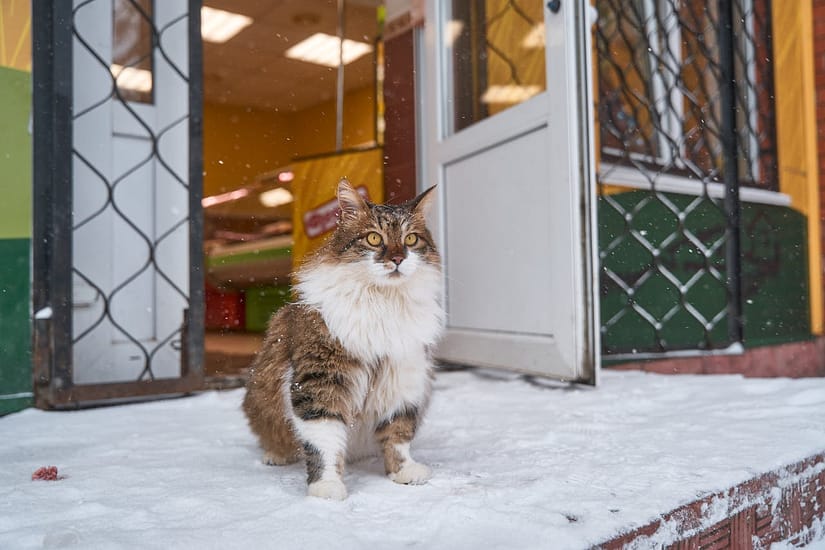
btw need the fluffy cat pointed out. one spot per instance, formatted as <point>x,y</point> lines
<point>345,370</point>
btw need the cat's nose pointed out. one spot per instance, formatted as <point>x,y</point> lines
<point>397,259</point>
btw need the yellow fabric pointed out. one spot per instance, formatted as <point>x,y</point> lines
<point>314,189</point>
<point>796,133</point>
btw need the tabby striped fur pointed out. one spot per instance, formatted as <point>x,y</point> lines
<point>345,370</point>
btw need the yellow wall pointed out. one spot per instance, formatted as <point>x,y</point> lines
<point>796,132</point>
<point>241,143</point>
<point>314,128</point>
<point>15,35</point>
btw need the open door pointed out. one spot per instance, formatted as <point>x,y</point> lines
<point>507,136</point>
<point>117,270</point>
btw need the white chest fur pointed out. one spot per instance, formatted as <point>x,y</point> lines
<point>397,383</point>
<point>389,328</point>
<point>391,386</point>
<point>376,322</point>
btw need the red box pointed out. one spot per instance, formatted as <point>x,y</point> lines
<point>224,309</point>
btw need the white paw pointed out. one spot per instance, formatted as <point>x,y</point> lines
<point>412,473</point>
<point>332,489</point>
<point>273,459</point>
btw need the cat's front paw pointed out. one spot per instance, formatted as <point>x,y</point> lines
<point>275,459</point>
<point>332,489</point>
<point>412,473</point>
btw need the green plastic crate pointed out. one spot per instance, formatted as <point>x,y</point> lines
<point>262,302</point>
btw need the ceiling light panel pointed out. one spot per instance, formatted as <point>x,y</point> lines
<point>324,49</point>
<point>219,26</point>
<point>131,78</point>
<point>509,94</point>
<point>535,38</point>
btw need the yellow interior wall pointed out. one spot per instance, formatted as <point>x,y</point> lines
<point>313,129</point>
<point>241,143</point>
<point>796,133</point>
<point>15,35</point>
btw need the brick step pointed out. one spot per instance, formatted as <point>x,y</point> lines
<point>776,506</point>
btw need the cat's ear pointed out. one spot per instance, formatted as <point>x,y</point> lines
<point>351,202</point>
<point>423,202</point>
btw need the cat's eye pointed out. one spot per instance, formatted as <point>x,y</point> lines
<point>411,239</point>
<point>374,239</point>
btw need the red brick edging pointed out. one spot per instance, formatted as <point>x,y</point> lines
<point>794,360</point>
<point>779,505</point>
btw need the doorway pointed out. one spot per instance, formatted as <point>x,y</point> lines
<point>283,121</point>
<point>117,179</point>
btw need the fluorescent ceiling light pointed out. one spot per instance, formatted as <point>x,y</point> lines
<point>219,26</point>
<point>323,49</point>
<point>509,94</point>
<point>535,38</point>
<point>275,197</point>
<point>452,31</point>
<point>131,78</point>
<point>206,202</point>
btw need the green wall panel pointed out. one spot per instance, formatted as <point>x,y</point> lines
<point>774,272</point>
<point>15,244</point>
<point>775,275</point>
<point>15,154</point>
<point>15,329</point>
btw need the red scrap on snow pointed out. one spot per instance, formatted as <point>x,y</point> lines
<point>46,473</point>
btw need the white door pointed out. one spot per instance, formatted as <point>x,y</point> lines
<point>507,127</point>
<point>130,277</point>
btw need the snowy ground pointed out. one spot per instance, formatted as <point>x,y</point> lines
<point>517,464</point>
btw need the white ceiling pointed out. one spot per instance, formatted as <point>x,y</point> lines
<point>250,70</point>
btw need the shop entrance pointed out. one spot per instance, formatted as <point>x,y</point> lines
<point>287,113</point>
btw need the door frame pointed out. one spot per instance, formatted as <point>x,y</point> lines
<point>52,74</point>
<point>581,63</point>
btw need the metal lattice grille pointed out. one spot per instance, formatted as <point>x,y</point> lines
<point>674,150</point>
<point>130,189</point>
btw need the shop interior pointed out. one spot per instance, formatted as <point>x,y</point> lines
<point>283,120</point>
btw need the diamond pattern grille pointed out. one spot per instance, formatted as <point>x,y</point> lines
<point>664,222</point>
<point>130,183</point>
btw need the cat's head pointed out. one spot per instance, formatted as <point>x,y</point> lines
<point>391,242</point>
